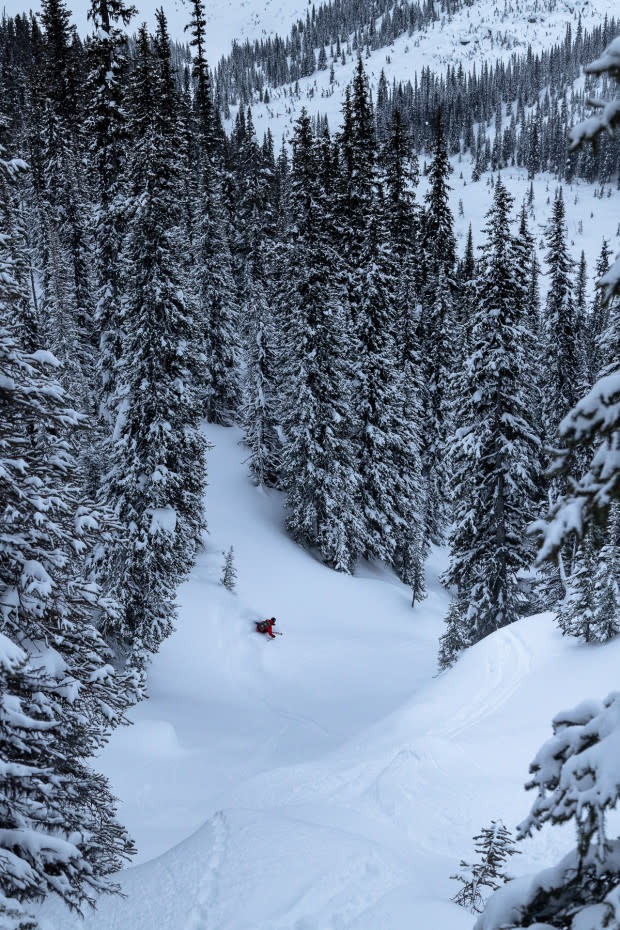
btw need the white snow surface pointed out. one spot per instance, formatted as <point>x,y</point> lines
<point>325,780</point>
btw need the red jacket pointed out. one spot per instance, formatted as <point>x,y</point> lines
<point>266,627</point>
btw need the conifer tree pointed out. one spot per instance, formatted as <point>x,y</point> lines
<point>202,82</point>
<point>319,468</point>
<point>495,447</point>
<point>65,248</point>
<point>597,348</point>
<point>437,326</point>
<point>213,284</point>
<point>606,620</point>
<point>455,637</point>
<point>387,493</point>
<point>107,132</point>
<point>400,173</point>
<point>494,845</point>
<point>60,694</point>
<point>157,452</point>
<point>229,571</point>
<point>438,239</point>
<point>576,612</point>
<point>562,336</point>
<point>465,303</point>
<point>576,771</point>
<point>259,413</point>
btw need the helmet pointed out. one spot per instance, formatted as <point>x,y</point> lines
<point>273,619</point>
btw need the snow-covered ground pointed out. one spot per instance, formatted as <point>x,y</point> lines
<point>325,780</point>
<point>589,217</point>
<point>485,30</point>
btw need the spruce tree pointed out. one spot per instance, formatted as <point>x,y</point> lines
<point>438,329</point>
<point>494,845</point>
<point>229,571</point>
<point>400,174</point>
<point>213,282</point>
<point>576,772</point>
<point>455,637</point>
<point>562,335</point>
<point>319,466</point>
<point>576,612</point>
<point>157,452</point>
<point>259,413</point>
<point>437,326</point>
<point>495,447</point>
<point>606,620</point>
<point>597,347</point>
<point>438,239</point>
<point>64,240</point>
<point>60,693</point>
<point>107,132</point>
<point>387,493</point>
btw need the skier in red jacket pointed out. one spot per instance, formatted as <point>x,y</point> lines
<point>266,626</point>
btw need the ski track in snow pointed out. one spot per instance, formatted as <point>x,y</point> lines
<point>202,916</point>
<point>503,674</point>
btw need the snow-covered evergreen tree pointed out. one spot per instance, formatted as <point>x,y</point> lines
<point>438,344</point>
<point>60,693</point>
<point>382,438</point>
<point>259,412</point>
<point>400,176</point>
<point>438,238</point>
<point>606,620</point>
<point>494,846</point>
<point>562,336</point>
<point>597,349</point>
<point>455,638</point>
<point>157,452</point>
<point>437,335</point>
<point>229,571</point>
<point>576,776</point>
<point>576,772</point>
<point>575,616</point>
<point>319,467</point>
<point>107,132</point>
<point>213,281</point>
<point>495,447</point>
<point>64,240</point>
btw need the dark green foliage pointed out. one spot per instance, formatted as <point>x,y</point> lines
<point>319,465</point>
<point>157,453</point>
<point>495,447</point>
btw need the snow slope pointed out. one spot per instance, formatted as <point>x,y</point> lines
<point>325,780</point>
<point>486,29</point>
<point>227,20</point>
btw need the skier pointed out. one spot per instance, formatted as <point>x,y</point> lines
<point>266,626</point>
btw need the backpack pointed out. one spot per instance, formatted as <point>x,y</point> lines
<point>262,626</point>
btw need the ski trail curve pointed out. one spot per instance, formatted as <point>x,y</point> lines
<point>504,670</point>
<point>202,916</point>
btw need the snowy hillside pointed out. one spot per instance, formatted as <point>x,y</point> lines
<point>326,779</point>
<point>484,30</point>
<point>233,19</point>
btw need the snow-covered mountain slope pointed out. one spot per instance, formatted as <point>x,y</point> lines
<point>226,21</point>
<point>325,780</point>
<point>484,30</point>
